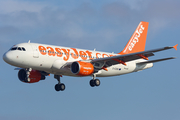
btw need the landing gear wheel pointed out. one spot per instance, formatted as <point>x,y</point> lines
<point>62,86</point>
<point>92,84</point>
<point>59,87</point>
<point>96,82</point>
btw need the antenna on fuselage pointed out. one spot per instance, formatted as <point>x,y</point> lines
<point>29,41</point>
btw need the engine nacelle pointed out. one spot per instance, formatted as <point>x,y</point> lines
<point>82,68</point>
<point>35,76</point>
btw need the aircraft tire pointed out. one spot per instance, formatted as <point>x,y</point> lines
<point>97,82</point>
<point>62,87</point>
<point>59,87</point>
<point>92,84</point>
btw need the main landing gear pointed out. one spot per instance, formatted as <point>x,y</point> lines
<point>60,86</point>
<point>94,81</point>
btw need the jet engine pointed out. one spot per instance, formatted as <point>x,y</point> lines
<point>82,68</point>
<point>34,76</point>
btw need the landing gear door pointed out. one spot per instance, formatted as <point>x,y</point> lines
<point>35,51</point>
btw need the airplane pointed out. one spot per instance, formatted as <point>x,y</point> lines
<point>36,61</point>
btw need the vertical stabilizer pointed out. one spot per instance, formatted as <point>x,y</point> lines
<point>138,40</point>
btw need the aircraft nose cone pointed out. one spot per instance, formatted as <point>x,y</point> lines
<point>7,57</point>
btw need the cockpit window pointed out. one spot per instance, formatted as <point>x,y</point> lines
<point>23,49</point>
<point>18,48</point>
<point>14,48</point>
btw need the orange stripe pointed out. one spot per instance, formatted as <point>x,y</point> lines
<point>142,56</point>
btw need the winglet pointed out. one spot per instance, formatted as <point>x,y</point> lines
<point>175,47</point>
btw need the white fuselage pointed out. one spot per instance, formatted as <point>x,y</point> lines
<point>52,59</point>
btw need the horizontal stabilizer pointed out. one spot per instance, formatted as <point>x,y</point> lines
<point>158,60</point>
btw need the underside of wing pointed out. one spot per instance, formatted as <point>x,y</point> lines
<point>158,60</point>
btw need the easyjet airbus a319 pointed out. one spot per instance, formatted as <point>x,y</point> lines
<point>36,61</point>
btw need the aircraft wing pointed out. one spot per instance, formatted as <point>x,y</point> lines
<point>153,61</point>
<point>109,61</point>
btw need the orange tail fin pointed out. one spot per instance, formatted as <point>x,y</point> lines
<point>138,40</point>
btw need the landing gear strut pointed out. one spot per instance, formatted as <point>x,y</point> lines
<point>60,86</point>
<point>28,73</point>
<point>94,81</point>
